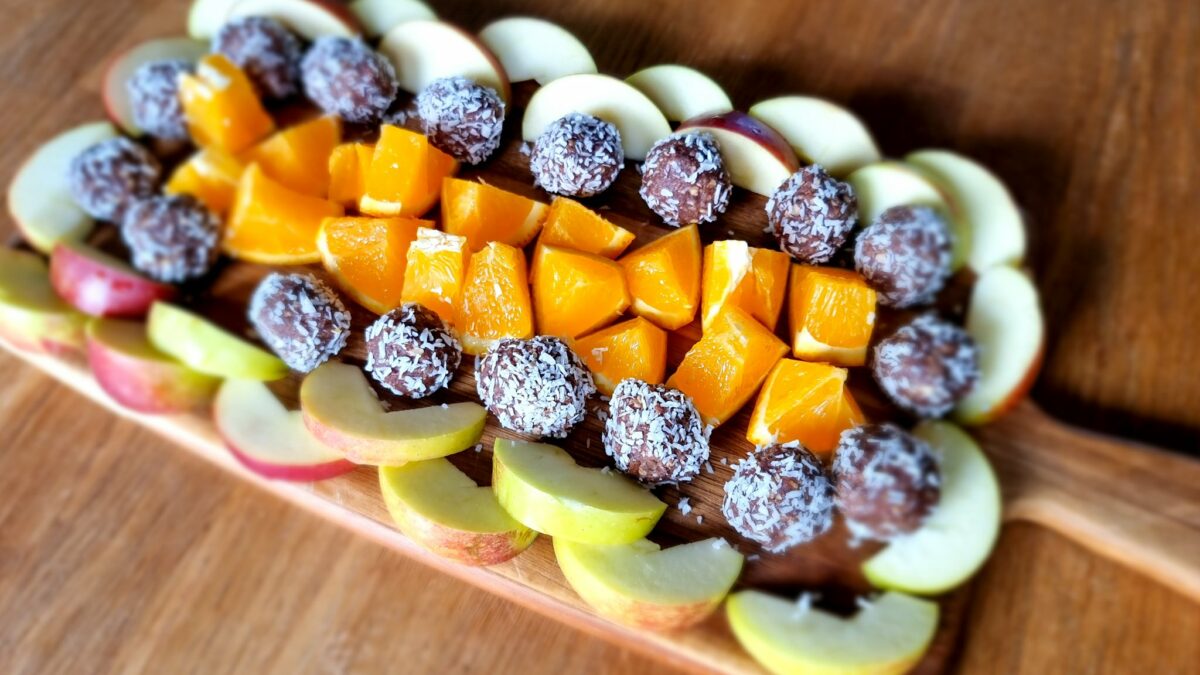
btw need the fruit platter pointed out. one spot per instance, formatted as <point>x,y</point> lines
<point>729,386</point>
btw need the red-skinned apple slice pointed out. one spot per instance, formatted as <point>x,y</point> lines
<point>140,377</point>
<point>206,17</point>
<point>640,122</point>
<point>534,49</point>
<point>32,316</point>
<point>121,68</point>
<point>309,18</point>
<point>821,132</point>
<point>424,51</point>
<point>98,284</point>
<point>269,439</point>
<point>757,157</point>
<point>377,17</point>
<point>681,93</point>
<point>1005,319</point>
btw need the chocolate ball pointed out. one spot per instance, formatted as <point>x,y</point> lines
<point>108,177</point>
<point>536,386</point>
<point>265,50</point>
<point>927,366</point>
<point>411,352</point>
<point>577,155</point>
<point>887,481</point>
<point>654,433</point>
<point>811,214</point>
<point>905,255</point>
<point>779,496</point>
<point>461,118</point>
<point>300,318</point>
<point>171,238</point>
<point>684,179</point>
<point>345,77</point>
<point>153,91</point>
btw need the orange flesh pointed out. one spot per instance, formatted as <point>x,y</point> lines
<point>405,175</point>
<point>575,292</point>
<point>664,278</point>
<point>221,106</point>
<point>211,175</point>
<point>483,214</point>
<point>634,348</point>
<point>805,402</point>
<point>348,167</point>
<point>754,279</point>
<point>298,156</point>
<point>494,302</point>
<point>831,315</point>
<point>437,265</point>
<point>572,225</point>
<point>368,257</point>
<point>271,224</point>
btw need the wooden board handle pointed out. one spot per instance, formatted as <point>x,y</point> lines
<point>1135,504</point>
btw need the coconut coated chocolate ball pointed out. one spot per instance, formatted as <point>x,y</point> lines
<point>171,238</point>
<point>411,352</point>
<point>536,386</point>
<point>780,497</point>
<point>577,155</point>
<point>887,481</point>
<point>108,177</point>
<point>927,366</point>
<point>461,118</point>
<point>811,214</point>
<point>684,179</point>
<point>154,98</point>
<point>345,77</point>
<point>905,255</point>
<point>265,50</point>
<point>300,318</point>
<point>654,433</point>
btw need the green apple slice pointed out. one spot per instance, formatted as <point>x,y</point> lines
<point>208,348</point>
<point>888,635</point>
<point>443,510</point>
<point>32,316</point>
<point>882,185</point>
<point>341,410</point>
<point>646,586</point>
<point>541,486</point>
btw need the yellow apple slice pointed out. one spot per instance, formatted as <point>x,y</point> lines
<point>819,131</point>
<point>534,49</point>
<point>542,487</point>
<point>205,347</point>
<point>639,121</point>
<point>888,635</point>
<point>377,17</point>
<point>32,317</point>
<point>426,50</point>
<point>443,510</point>
<point>681,93</point>
<point>885,184</point>
<point>645,586</point>
<point>342,411</point>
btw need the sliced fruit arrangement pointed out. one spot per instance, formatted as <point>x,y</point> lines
<point>122,68</point>
<point>272,224</point>
<point>738,275</point>
<point>138,375</point>
<point>377,17</point>
<point>207,348</point>
<point>98,284</point>
<point>575,292</point>
<point>349,164</point>
<point>369,257</point>
<point>664,278</point>
<point>309,18</point>
<point>534,49</point>
<point>494,302</point>
<point>757,157</point>
<point>32,316</point>
<point>831,315</point>
<point>298,157</point>
<point>222,107</point>
<point>435,272</point>
<point>572,225</point>
<point>636,348</point>
<point>210,175</point>
<point>638,120</point>
<point>483,213</point>
<point>805,402</point>
<point>820,132</point>
<point>405,174</point>
<point>681,93</point>
<point>426,50</point>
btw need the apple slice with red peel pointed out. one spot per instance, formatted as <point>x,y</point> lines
<point>756,156</point>
<point>101,285</point>
<point>1004,316</point>
<point>640,122</point>
<point>32,316</point>
<point>121,68</point>
<point>139,376</point>
<point>39,196</point>
<point>269,439</point>
<point>342,411</point>
<point>820,132</point>
<point>310,19</point>
<point>206,347</point>
<point>424,51</point>
<point>681,93</point>
<point>206,17</point>
<point>535,49</point>
<point>886,184</point>
<point>443,510</point>
<point>377,17</point>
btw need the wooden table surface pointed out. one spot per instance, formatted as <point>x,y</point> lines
<point>119,552</point>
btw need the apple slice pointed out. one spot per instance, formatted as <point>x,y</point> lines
<point>39,196</point>
<point>342,411</point>
<point>205,17</point>
<point>101,285</point>
<point>640,122</point>
<point>32,316</point>
<point>377,17</point>
<point>648,587</point>
<point>757,157</point>
<point>819,131</point>
<point>882,185</point>
<point>269,439</point>
<point>956,540</point>
<point>206,347</point>
<point>681,93</point>
<point>888,635</point>
<point>985,206</point>
<point>443,510</point>
<point>541,486</point>
<point>1004,317</point>
<point>139,376</point>
<point>308,18</point>
<point>120,69</point>
<point>426,50</point>
<point>534,49</point>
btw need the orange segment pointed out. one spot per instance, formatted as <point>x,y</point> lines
<point>348,167</point>
<point>575,292</point>
<point>405,174</point>
<point>494,302</point>
<point>754,279</point>
<point>664,278</point>
<point>806,402</point>
<point>570,224</point>
<point>221,106</point>
<point>634,348</point>
<point>722,371</point>
<point>831,314</point>
<point>298,156</point>
<point>273,225</point>
<point>210,175</point>
<point>368,257</point>
<point>483,213</point>
<point>437,264</point>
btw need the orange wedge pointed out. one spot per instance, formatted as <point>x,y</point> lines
<point>221,106</point>
<point>754,279</point>
<point>273,225</point>
<point>664,278</point>
<point>634,348</point>
<point>298,156</point>
<point>437,264</point>
<point>368,257</point>
<point>348,167</point>
<point>722,371</point>
<point>570,224</point>
<point>575,292</point>
<point>405,174</point>
<point>494,302</point>
<point>805,402</point>
<point>831,314</point>
<point>483,213</point>
<point>210,175</point>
